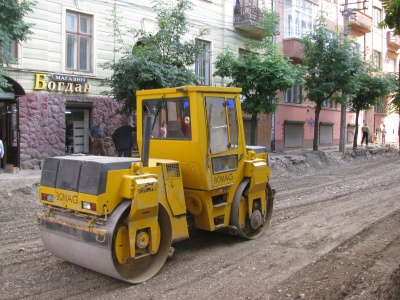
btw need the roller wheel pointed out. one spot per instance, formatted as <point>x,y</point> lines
<point>255,225</point>
<point>137,270</point>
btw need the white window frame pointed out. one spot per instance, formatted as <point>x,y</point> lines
<point>300,18</point>
<point>391,65</point>
<point>203,64</point>
<point>77,67</point>
<point>377,16</point>
<point>377,59</point>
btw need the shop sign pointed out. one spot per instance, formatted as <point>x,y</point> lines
<point>61,83</point>
<point>67,78</point>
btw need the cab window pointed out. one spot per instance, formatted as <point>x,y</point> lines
<point>222,124</point>
<point>170,118</point>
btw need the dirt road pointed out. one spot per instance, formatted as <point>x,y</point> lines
<point>335,234</point>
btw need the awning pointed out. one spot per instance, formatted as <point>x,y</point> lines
<point>16,90</point>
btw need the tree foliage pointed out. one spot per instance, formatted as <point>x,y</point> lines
<point>372,86</point>
<point>154,60</point>
<point>261,72</point>
<point>12,28</point>
<point>331,67</point>
<point>394,105</point>
<point>392,15</point>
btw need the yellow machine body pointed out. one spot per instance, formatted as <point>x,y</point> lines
<point>120,216</point>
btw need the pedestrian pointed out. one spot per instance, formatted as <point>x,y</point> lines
<point>96,134</point>
<point>384,134</point>
<point>1,150</point>
<point>365,131</point>
<point>123,139</point>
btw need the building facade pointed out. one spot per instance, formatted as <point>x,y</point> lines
<point>57,77</point>
<point>294,121</point>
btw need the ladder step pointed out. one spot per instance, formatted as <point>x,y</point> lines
<point>220,204</point>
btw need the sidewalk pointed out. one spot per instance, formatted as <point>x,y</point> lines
<point>21,174</point>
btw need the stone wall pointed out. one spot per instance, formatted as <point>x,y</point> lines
<point>42,124</point>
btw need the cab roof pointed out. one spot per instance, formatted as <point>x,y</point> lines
<point>189,88</point>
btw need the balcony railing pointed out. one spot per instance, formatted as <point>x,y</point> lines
<point>248,18</point>
<point>293,48</point>
<point>393,40</point>
<point>361,22</point>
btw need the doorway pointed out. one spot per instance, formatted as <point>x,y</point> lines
<point>77,128</point>
<point>9,133</point>
<point>293,134</point>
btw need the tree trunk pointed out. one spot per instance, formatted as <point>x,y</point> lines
<point>316,127</point>
<point>253,129</point>
<point>356,130</point>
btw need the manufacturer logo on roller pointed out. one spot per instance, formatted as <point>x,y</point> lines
<point>67,198</point>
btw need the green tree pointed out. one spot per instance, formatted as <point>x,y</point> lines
<point>372,86</point>
<point>392,15</point>
<point>261,72</point>
<point>12,29</point>
<point>154,61</point>
<point>331,66</point>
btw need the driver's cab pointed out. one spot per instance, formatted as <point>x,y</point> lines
<point>199,126</point>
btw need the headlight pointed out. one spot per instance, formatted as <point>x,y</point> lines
<point>224,163</point>
<point>89,206</point>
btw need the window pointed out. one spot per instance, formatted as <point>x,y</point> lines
<point>328,104</point>
<point>381,108</point>
<point>9,51</point>
<point>356,47</point>
<point>377,16</point>
<point>170,118</point>
<point>222,123</point>
<point>203,64</point>
<point>243,52</point>
<point>377,59</point>
<point>293,95</point>
<point>391,65</point>
<point>79,42</point>
<point>300,17</point>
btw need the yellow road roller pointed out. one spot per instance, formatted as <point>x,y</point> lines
<point>120,216</point>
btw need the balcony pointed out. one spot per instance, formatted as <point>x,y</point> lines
<point>361,23</point>
<point>293,49</point>
<point>393,41</point>
<point>248,19</point>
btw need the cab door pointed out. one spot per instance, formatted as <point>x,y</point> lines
<point>224,142</point>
